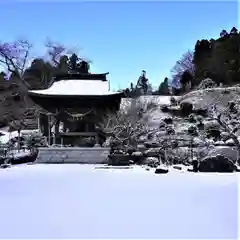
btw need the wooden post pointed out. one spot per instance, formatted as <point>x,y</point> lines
<point>39,124</point>
<point>62,141</point>
<point>18,140</point>
<point>49,129</point>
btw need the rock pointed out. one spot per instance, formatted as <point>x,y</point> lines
<point>160,170</point>
<point>137,154</point>
<point>130,150</point>
<point>118,159</point>
<point>5,165</point>
<point>152,152</point>
<point>97,145</point>
<point>218,163</point>
<point>152,161</point>
<point>226,151</point>
<point>176,160</point>
<point>190,169</point>
<point>211,124</point>
<point>131,162</point>
<point>161,133</point>
<point>219,143</point>
<point>168,120</point>
<point>147,168</point>
<point>210,141</point>
<point>164,108</point>
<point>141,147</point>
<point>137,157</point>
<point>142,139</point>
<point>177,167</point>
<point>230,142</point>
<point>151,144</point>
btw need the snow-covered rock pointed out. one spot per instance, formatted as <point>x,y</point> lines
<point>161,170</point>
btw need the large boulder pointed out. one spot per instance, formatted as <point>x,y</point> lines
<point>228,152</point>
<point>218,163</point>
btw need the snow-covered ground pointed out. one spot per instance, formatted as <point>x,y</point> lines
<point>6,136</point>
<point>160,100</point>
<point>67,201</point>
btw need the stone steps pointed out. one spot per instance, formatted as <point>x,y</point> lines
<point>96,155</point>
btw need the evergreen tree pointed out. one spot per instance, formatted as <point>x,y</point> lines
<point>73,63</point>
<point>164,88</point>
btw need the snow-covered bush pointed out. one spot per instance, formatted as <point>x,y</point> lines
<point>164,108</point>
<point>35,140</point>
<point>191,118</point>
<point>207,83</point>
<point>173,101</point>
<point>186,108</point>
<point>193,131</point>
<point>126,127</point>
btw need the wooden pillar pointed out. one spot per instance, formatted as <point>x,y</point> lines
<point>97,139</point>
<point>18,143</point>
<point>64,127</point>
<point>39,124</point>
<point>56,130</point>
<point>49,129</point>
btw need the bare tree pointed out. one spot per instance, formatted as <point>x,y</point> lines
<point>184,64</point>
<point>55,51</point>
<point>127,125</point>
<point>15,57</point>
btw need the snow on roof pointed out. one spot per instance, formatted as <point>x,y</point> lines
<point>77,87</point>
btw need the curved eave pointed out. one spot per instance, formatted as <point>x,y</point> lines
<point>41,95</point>
<point>79,76</point>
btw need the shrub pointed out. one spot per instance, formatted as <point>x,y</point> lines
<point>207,83</point>
<point>164,108</point>
<point>192,118</point>
<point>186,108</point>
<point>192,130</point>
<point>173,101</point>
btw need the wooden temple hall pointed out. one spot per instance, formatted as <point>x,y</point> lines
<point>74,105</point>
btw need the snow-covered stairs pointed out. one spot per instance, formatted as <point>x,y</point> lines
<point>95,155</point>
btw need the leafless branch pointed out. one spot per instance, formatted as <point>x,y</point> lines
<point>14,57</point>
<point>55,51</point>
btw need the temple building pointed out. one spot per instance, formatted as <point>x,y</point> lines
<point>73,106</point>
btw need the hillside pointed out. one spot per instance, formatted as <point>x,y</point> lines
<point>168,123</point>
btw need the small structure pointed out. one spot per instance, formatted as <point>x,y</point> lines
<point>74,105</point>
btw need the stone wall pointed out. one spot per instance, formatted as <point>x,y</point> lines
<point>73,155</point>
